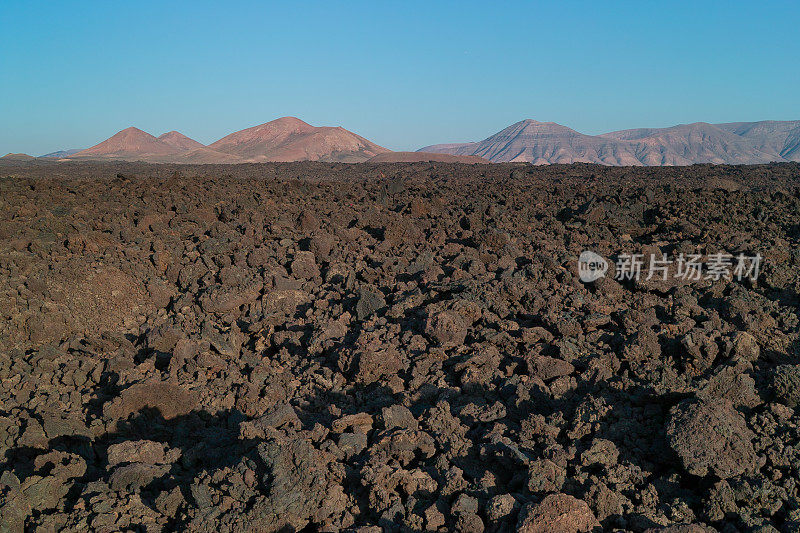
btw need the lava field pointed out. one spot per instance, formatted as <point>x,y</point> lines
<point>396,347</point>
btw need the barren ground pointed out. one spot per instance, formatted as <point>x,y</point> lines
<point>400,346</point>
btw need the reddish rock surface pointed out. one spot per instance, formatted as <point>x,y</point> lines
<point>558,513</point>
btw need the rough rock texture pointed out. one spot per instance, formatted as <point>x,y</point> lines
<point>557,513</point>
<point>394,347</point>
<point>712,437</point>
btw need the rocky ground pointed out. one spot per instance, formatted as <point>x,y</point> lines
<point>394,347</point>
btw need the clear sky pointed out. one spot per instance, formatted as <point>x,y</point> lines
<point>402,74</point>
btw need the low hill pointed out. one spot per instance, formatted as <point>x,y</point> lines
<point>17,157</point>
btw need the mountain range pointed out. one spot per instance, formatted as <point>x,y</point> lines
<point>547,142</point>
<point>284,139</point>
<point>291,139</point>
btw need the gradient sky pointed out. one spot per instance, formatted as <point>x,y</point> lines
<point>402,74</point>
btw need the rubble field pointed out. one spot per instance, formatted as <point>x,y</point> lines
<point>395,347</point>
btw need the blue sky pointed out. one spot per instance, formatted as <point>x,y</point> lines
<point>403,74</point>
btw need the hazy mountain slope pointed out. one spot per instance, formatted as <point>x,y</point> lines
<point>780,137</point>
<point>542,143</point>
<point>61,153</point>
<point>791,149</point>
<point>699,142</point>
<point>685,144</point>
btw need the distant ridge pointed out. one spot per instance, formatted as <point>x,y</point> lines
<point>17,157</point>
<point>61,154</point>
<point>547,142</point>
<point>773,136</point>
<point>531,141</point>
<point>543,142</point>
<point>284,139</point>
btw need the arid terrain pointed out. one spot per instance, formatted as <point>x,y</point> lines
<point>733,143</point>
<point>394,347</point>
<point>284,139</point>
<point>290,139</point>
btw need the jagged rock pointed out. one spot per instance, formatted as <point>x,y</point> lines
<point>447,328</point>
<point>500,507</point>
<point>225,299</point>
<point>170,400</point>
<point>745,347</point>
<point>369,302</point>
<point>557,513</point>
<point>298,487</point>
<point>311,346</point>
<point>711,437</point>
<point>786,384</point>
<point>134,476</point>
<point>141,451</point>
<point>398,416</point>
<point>304,266</point>
<point>14,510</point>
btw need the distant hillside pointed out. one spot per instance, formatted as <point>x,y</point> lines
<point>284,139</point>
<point>685,144</point>
<point>61,154</point>
<point>131,144</point>
<point>692,143</point>
<point>17,157</point>
<point>773,136</point>
<point>291,139</point>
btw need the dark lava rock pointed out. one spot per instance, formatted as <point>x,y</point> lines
<point>557,513</point>
<point>168,399</point>
<point>447,328</point>
<point>298,485</point>
<point>141,451</point>
<point>14,510</point>
<point>136,475</point>
<point>711,437</point>
<point>304,266</point>
<point>369,303</point>
<point>786,384</point>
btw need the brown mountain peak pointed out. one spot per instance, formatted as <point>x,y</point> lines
<point>180,141</point>
<point>291,139</point>
<point>129,144</point>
